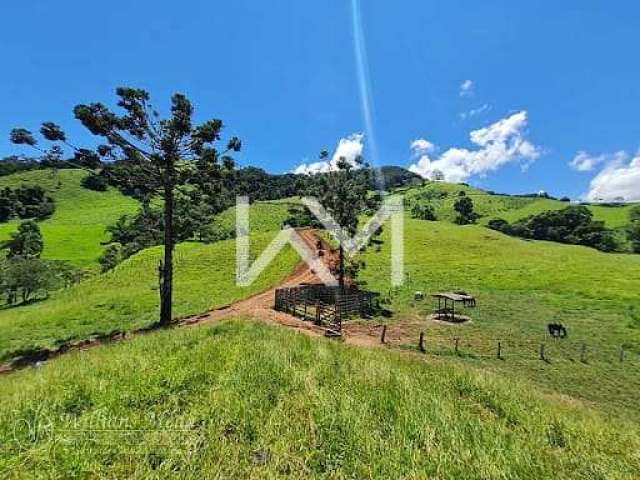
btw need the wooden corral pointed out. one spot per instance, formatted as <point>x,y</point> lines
<point>325,306</point>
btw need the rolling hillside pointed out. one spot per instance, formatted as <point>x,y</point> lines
<point>510,208</point>
<point>261,401</point>
<point>246,400</point>
<point>127,297</point>
<point>76,230</point>
<point>521,286</point>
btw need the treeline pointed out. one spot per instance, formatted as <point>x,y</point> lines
<point>26,201</point>
<point>16,164</point>
<point>573,225</point>
<point>259,185</point>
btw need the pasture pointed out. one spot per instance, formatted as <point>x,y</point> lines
<point>247,400</point>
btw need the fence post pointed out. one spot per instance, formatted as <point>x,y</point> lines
<point>318,313</point>
<point>457,340</point>
<point>421,343</point>
<point>622,353</point>
<point>305,309</point>
<point>384,334</point>
<point>583,353</point>
<point>542,352</point>
<point>499,351</point>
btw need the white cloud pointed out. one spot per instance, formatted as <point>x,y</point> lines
<point>499,144</point>
<point>420,146</point>
<point>475,111</point>
<point>350,148</point>
<point>619,181</point>
<point>466,88</point>
<point>584,162</point>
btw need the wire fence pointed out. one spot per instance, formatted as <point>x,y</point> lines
<point>549,350</point>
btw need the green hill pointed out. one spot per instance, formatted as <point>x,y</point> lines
<point>260,401</point>
<point>522,286</point>
<point>127,297</point>
<point>245,400</point>
<point>511,208</point>
<point>76,230</point>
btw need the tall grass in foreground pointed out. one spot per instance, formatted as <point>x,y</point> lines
<point>240,400</point>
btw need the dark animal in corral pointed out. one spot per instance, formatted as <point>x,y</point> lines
<point>557,330</point>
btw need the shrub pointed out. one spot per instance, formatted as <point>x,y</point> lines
<point>27,241</point>
<point>27,201</point>
<point>423,212</point>
<point>111,257</point>
<point>465,208</point>
<point>95,182</point>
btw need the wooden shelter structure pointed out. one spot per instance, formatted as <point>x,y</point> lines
<point>447,301</point>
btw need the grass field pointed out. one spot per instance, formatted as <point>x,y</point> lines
<point>268,216</point>
<point>76,230</point>
<point>245,400</point>
<point>507,207</point>
<point>522,286</point>
<point>127,297</point>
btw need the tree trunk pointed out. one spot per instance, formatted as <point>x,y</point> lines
<point>341,271</point>
<point>166,293</point>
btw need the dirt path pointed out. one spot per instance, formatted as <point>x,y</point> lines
<point>259,307</point>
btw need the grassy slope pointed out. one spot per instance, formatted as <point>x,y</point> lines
<point>127,297</point>
<point>264,216</point>
<point>510,208</point>
<point>244,400</point>
<point>76,229</point>
<point>521,286</point>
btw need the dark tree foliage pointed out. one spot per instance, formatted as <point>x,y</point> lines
<point>159,156</point>
<point>193,220</point>
<point>15,164</point>
<point>633,230</point>
<point>423,211</point>
<point>573,225</point>
<point>95,182</point>
<point>111,257</point>
<point>344,194</point>
<point>301,216</point>
<point>26,201</point>
<point>26,242</point>
<point>465,208</point>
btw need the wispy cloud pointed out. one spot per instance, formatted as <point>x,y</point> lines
<point>500,143</point>
<point>350,148</point>
<point>475,111</point>
<point>585,162</point>
<point>466,88</point>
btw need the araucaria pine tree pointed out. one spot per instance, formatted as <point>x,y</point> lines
<point>344,195</point>
<point>160,154</point>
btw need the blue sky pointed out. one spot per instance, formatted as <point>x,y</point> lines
<point>286,77</point>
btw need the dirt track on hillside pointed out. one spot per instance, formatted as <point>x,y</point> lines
<point>259,307</point>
